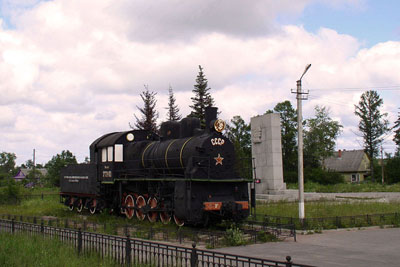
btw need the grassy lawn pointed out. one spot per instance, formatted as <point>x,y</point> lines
<point>23,250</point>
<point>326,209</point>
<point>347,188</point>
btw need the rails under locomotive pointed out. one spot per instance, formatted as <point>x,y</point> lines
<point>187,173</point>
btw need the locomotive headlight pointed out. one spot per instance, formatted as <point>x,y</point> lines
<point>219,125</point>
<point>130,137</point>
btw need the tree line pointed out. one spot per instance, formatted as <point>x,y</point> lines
<point>320,135</point>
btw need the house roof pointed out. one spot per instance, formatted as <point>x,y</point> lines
<point>350,161</point>
<point>23,172</point>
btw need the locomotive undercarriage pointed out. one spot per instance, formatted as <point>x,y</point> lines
<point>195,203</point>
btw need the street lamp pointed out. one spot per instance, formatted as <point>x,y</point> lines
<point>300,145</point>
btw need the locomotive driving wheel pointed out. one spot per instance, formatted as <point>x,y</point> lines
<point>80,206</point>
<point>71,204</point>
<point>152,215</point>
<point>165,217</point>
<point>140,203</point>
<point>129,206</point>
<point>93,206</point>
<point>178,221</point>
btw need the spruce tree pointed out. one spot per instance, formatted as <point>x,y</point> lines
<point>173,110</point>
<point>396,137</point>
<point>373,124</point>
<point>149,113</point>
<point>202,98</point>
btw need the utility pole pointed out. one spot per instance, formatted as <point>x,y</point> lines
<point>300,95</point>
<point>383,173</point>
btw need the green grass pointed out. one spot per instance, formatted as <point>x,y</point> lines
<point>22,250</point>
<point>327,209</point>
<point>347,187</point>
<point>332,215</point>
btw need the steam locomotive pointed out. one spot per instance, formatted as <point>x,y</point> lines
<point>185,173</point>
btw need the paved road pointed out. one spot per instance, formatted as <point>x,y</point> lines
<point>368,247</point>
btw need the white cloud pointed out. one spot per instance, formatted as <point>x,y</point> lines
<point>72,70</point>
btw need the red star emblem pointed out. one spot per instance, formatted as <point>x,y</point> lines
<point>218,160</point>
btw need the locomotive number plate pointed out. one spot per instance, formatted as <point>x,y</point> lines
<point>107,174</point>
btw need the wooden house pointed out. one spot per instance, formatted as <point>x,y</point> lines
<point>353,164</point>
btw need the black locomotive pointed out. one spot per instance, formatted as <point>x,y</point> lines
<point>187,173</point>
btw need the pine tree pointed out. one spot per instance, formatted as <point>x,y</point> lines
<point>149,113</point>
<point>396,137</point>
<point>202,98</point>
<point>372,125</point>
<point>173,110</point>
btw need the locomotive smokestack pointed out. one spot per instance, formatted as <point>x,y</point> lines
<point>210,115</point>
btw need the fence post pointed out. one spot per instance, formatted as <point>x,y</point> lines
<point>42,227</point>
<point>289,261</point>
<point>79,241</point>
<point>194,262</point>
<point>128,250</point>
<point>12,226</point>
<point>338,223</point>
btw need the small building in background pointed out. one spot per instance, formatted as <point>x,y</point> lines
<point>23,173</point>
<point>354,165</point>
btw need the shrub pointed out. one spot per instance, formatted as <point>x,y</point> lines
<point>234,237</point>
<point>321,176</point>
<point>11,192</point>
<point>290,176</point>
<point>266,237</point>
<point>392,170</point>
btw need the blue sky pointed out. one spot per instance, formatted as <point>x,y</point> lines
<point>371,22</point>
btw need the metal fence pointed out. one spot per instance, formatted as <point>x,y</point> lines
<point>366,220</point>
<point>212,239</point>
<point>130,251</point>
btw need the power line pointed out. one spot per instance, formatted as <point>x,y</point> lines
<point>376,88</point>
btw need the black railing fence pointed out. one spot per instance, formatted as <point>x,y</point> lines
<point>130,251</point>
<point>209,238</point>
<point>335,222</point>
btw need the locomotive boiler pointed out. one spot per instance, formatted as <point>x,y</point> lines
<point>185,173</point>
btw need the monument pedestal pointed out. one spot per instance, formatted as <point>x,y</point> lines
<point>267,151</point>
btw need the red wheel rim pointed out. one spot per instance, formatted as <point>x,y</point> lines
<point>164,216</point>
<point>93,207</point>
<point>178,221</point>
<point>140,203</point>
<point>152,215</point>
<point>71,204</point>
<point>129,205</point>
<point>80,206</point>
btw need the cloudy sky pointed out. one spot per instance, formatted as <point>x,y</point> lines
<point>72,70</point>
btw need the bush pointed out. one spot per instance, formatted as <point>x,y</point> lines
<point>321,176</point>
<point>234,237</point>
<point>290,176</point>
<point>12,192</point>
<point>392,170</point>
<point>266,237</point>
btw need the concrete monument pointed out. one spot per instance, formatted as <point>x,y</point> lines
<point>267,151</point>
